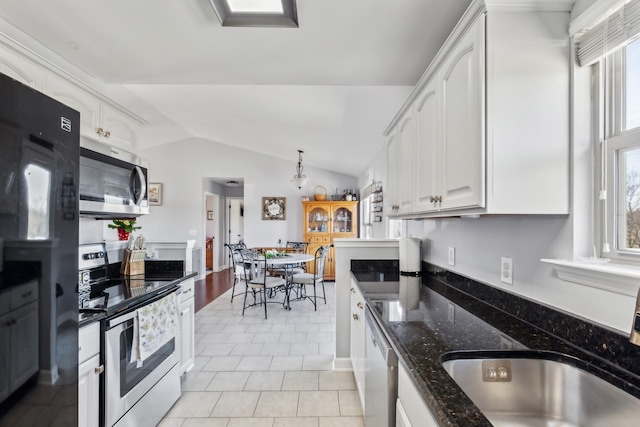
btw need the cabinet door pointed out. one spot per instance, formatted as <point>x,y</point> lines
<point>427,149</point>
<point>5,356</point>
<point>357,343</point>
<point>462,123</point>
<point>21,69</point>
<point>121,128</point>
<point>343,220</point>
<point>391,195</point>
<point>187,345</point>
<point>318,219</point>
<point>88,392</point>
<point>330,265</point>
<point>87,105</point>
<point>405,162</point>
<point>24,343</point>
<point>415,410</point>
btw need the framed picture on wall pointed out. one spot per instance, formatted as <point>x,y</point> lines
<point>155,194</point>
<point>274,208</point>
<point>210,215</point>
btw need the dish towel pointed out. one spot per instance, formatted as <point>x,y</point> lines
<point>154,325</point>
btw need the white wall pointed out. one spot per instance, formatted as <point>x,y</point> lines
<point>181,167</point>
<point>376,171</point>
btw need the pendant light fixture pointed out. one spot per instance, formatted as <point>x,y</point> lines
<point>299,180</point>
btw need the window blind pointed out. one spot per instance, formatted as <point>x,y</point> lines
<point>615,32</point>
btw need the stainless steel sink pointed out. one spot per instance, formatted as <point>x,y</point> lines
<point>518,392</point>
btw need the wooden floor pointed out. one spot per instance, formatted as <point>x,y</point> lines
<point>211,287</point>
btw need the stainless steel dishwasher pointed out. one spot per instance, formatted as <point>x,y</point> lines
<point>381,377</point>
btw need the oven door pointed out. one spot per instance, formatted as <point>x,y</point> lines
<point>126,383</point>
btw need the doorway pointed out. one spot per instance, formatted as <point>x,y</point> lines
<point>211,231</point>
<point>235,226</point>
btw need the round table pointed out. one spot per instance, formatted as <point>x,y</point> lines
<point>288,261</point>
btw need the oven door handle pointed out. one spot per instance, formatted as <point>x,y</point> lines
<point>117,320</point>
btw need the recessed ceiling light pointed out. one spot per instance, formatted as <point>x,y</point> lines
<point>256,13</point>
<point>73,45</point>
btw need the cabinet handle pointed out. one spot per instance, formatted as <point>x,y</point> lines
<point>353,291</point>
<point>26,294</point>
<point>188,290</point>
<point>360,306</point>
<point>100,369</point>
<point>355,316</point>
<point>107,134</point>
<point>8,323</point>
<point>100,131</point>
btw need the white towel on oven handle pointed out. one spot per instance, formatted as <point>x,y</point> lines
<point>154,325</point>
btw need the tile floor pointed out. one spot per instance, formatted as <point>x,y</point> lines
<point>266,373</point>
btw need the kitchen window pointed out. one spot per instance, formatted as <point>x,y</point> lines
<point>620,154</point>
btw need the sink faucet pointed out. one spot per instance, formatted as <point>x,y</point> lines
<point>635,326</point>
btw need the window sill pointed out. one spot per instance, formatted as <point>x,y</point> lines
<point>618,278</point>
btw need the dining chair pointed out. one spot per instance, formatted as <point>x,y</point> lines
<point>257,281</point>
<point>302,280</point>
<point>298,248</point>
<point>238,270</point>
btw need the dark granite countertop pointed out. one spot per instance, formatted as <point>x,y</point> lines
<point>16,273</point>
<point>428,320</point>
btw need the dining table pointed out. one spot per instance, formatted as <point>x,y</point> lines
<point>286,262</point>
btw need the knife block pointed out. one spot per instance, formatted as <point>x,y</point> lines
<point>132,262</point>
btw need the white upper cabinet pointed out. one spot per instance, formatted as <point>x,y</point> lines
<point>490,116</point>
<point>428,151</point>
<point>462,138</point>
<point>87,105</point>
<point>99,120</point>
<point>405,159</point>
<point>118,128</point>
<point>391,195</point>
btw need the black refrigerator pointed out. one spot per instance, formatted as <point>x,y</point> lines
<point>39,157</point>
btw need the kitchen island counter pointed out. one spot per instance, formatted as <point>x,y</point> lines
<point>428,320</point>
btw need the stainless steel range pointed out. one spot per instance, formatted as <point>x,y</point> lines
<point>136,388</point>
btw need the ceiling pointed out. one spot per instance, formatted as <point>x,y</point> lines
<point>329,87</point>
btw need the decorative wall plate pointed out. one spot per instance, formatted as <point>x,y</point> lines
<point>274,208</point>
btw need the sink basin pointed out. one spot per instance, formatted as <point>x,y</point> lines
<point>518,392</point>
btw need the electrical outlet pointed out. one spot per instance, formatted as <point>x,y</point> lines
<point>506,270</point>
<point>452,255</point>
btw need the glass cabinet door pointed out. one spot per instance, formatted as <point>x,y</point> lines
<point>343,220</point>
<point>318,220</point>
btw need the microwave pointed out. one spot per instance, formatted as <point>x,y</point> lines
<point>113,183</point>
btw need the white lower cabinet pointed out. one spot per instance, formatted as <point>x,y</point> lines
<point>186,344</point>
<point>19,336</point>
<point>411,411</point>
<point>89,371</point>
<point>358,337</point>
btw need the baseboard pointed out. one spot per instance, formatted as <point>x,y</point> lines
<point>342,364</point>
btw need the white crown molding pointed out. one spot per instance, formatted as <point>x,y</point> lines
<point>531,5</point>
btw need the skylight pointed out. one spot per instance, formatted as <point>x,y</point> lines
<point>256,13</point>
<point>255,6</point>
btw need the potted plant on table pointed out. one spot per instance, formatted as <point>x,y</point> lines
<point>124,227</point>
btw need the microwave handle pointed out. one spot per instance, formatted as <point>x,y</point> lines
<point>139,175</point>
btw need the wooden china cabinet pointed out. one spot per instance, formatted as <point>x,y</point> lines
<point>325,221</point>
